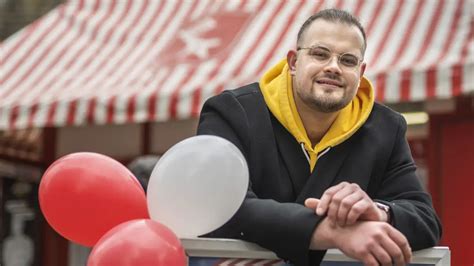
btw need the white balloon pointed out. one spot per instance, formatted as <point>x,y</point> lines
<point>197,185</point>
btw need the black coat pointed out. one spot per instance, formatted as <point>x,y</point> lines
<point>377,158</point>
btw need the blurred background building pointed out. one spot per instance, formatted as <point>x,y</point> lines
<point>16,14</point>
<point>127,79</point>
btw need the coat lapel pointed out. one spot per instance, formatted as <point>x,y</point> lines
<point>293,157</point>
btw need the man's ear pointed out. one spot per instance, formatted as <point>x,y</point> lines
<point>291,60</point>
<point>362,69</point>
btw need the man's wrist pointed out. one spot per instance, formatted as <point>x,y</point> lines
<point>323,236</point>
<point>384,211</point>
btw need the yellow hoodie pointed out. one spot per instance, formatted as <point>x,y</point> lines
<point>276,87</point>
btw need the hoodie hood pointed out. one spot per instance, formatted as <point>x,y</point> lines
<point>277,90</point>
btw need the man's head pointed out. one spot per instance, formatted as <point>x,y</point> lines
<point>333,15</point>
<point>327,64</point>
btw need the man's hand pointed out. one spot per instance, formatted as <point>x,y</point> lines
<point>345,204</point>
<point>373,243</point>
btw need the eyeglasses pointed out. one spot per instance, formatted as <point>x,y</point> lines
<point>324,55</point>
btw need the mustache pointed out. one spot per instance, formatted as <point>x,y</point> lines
<point>332,76</point>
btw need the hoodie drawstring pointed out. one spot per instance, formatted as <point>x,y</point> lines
<point>323,152</point>
<point>319,154</point>
<point>305,152</point>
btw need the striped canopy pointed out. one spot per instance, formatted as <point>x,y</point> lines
<point>132,61</point>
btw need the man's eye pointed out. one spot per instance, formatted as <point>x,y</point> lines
<point>320,55</point>
<point>349,60</point>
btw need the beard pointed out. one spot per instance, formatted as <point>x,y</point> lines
<point>323,99</point>
<point>326,103</point>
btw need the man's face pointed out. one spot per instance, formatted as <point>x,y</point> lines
<point>327,85</point>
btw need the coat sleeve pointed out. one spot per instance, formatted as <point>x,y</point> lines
<point>412,211</point>
<point>284,228</point>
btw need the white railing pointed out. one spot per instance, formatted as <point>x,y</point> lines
<point>228,250</point>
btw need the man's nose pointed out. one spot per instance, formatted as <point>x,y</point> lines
<point>333,65</point>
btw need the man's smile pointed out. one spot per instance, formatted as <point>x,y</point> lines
<point>332,82</point>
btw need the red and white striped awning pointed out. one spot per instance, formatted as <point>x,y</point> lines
<point>122,61</point>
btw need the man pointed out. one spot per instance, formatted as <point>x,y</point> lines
<point>329,168</point>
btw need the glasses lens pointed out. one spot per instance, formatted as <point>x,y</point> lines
<point>349,60</point>
<point>320,54</point>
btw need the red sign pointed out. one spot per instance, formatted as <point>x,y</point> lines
<point>206,37</point>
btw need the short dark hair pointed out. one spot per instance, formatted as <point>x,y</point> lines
<point>333,15</point>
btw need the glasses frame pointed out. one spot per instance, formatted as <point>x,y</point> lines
<point>339,56</point>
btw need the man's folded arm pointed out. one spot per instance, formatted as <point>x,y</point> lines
<point>411,208</point>
<point>284,228</point>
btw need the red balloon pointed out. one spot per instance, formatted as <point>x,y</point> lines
<point>138,242</point>
<point>84,195</point>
